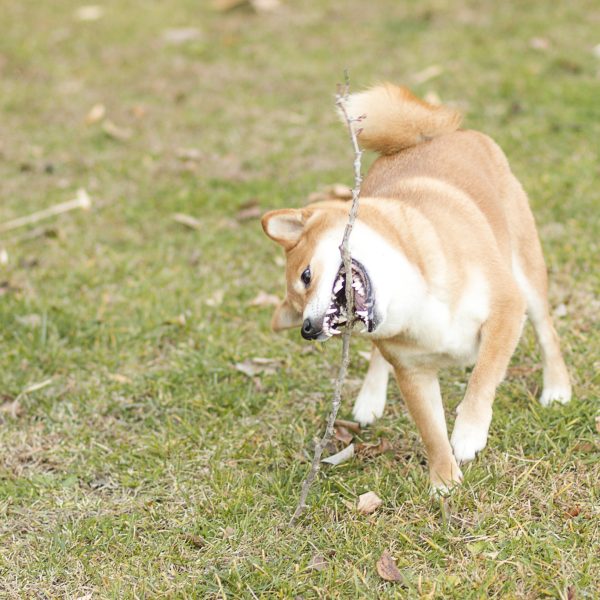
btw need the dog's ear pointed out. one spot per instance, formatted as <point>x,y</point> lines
<point>285,317</point>
<point>284,226</point>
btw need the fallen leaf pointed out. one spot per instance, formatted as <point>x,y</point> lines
<point>373,450</point>
<point>341,457</point>
<point>317,563</point>
<point>138,111</point>
<point>90,12</point>
<point>195,540</point>
<point>188,153</point>
<point>539,43</point>
<point>573,511</point>
<point>227,5</point>
<point>12,407</point>
<point>265,5</point>
<point>342,434</point>
<point>215,299</point>
<point>114,131</point>
<point>368,503</point>
<point>258,366</point>
<point>351,425</point>
<point>571,592</point>
<point>336,191</point>
<point>228,533</point>
<point>248,210</point>
<point>182,35</point>
<point>119,378</point>
<point>187,221</point>
<point>264,299</point>
<point>427,74</point>
<point>560,310</point>
<point>387,569</point>
<point>95,114</point>
<point>585,447</point>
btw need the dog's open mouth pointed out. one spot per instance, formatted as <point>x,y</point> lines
<point>336,316</point>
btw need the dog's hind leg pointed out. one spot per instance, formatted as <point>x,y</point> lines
<point>370,402</point>
<point>533,282</point>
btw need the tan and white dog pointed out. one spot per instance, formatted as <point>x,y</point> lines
<point>446,264</point>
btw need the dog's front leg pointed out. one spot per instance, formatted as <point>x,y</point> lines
<point>370,402</point>
<point>421,392</point>
<point>499,337</point>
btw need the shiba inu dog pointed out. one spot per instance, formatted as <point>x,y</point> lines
<point>446,266</point>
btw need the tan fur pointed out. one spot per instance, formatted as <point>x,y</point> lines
<point>450,203</point>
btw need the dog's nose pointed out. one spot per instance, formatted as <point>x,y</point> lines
<point>309,331</point>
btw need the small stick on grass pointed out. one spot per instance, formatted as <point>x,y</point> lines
<point>82,200</point>
<point>340,100</point>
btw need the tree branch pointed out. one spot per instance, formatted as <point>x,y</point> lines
<point>341,99</point>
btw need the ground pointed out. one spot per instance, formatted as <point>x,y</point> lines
<point>137,461</point>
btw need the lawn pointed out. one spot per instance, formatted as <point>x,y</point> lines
<point>137,461</point>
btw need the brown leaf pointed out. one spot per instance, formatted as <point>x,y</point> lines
<point>351,425</point>
<point>368,503</point>
<point>539,43</point>
<point>11,407</point>
<point>571,592</point>
<point>373,450</point>
<point>114,131</point>
<point>89,12</point>
<point>195,540</point>
<point>246,214</point>
<point>573,511</point>
<point>95,114</point>
<point>337,191</point>
<point>181,35</point>
<point>317,563</point>
<point>258,366</point>
<point>387,569</point>
<point>187,220</point>
<point>264,299</point>
<point>342,434</point>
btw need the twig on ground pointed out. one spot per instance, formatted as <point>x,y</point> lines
<point>82,200</point>
<point>340,101</point>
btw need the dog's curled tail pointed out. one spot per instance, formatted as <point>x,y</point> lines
<point>395,119</point>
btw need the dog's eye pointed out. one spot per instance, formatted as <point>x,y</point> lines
<point>306,276</point>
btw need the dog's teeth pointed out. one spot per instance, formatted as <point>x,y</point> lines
<point>331,310</point>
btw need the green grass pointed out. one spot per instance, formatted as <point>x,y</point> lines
<point>146,435</point>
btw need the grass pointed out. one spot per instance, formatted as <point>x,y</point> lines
<point>144,439</point>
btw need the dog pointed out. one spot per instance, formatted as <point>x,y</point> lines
<point>446,266</point>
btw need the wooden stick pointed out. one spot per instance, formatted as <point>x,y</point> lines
<point>340,101</point>
<point>82,200</point>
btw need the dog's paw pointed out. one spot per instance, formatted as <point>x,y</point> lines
<point>467,440</point>
<point>442,486</point>
<point>366,411</point>
<point>551,394</point>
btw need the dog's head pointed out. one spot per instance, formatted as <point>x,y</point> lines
<point>315,298</point>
